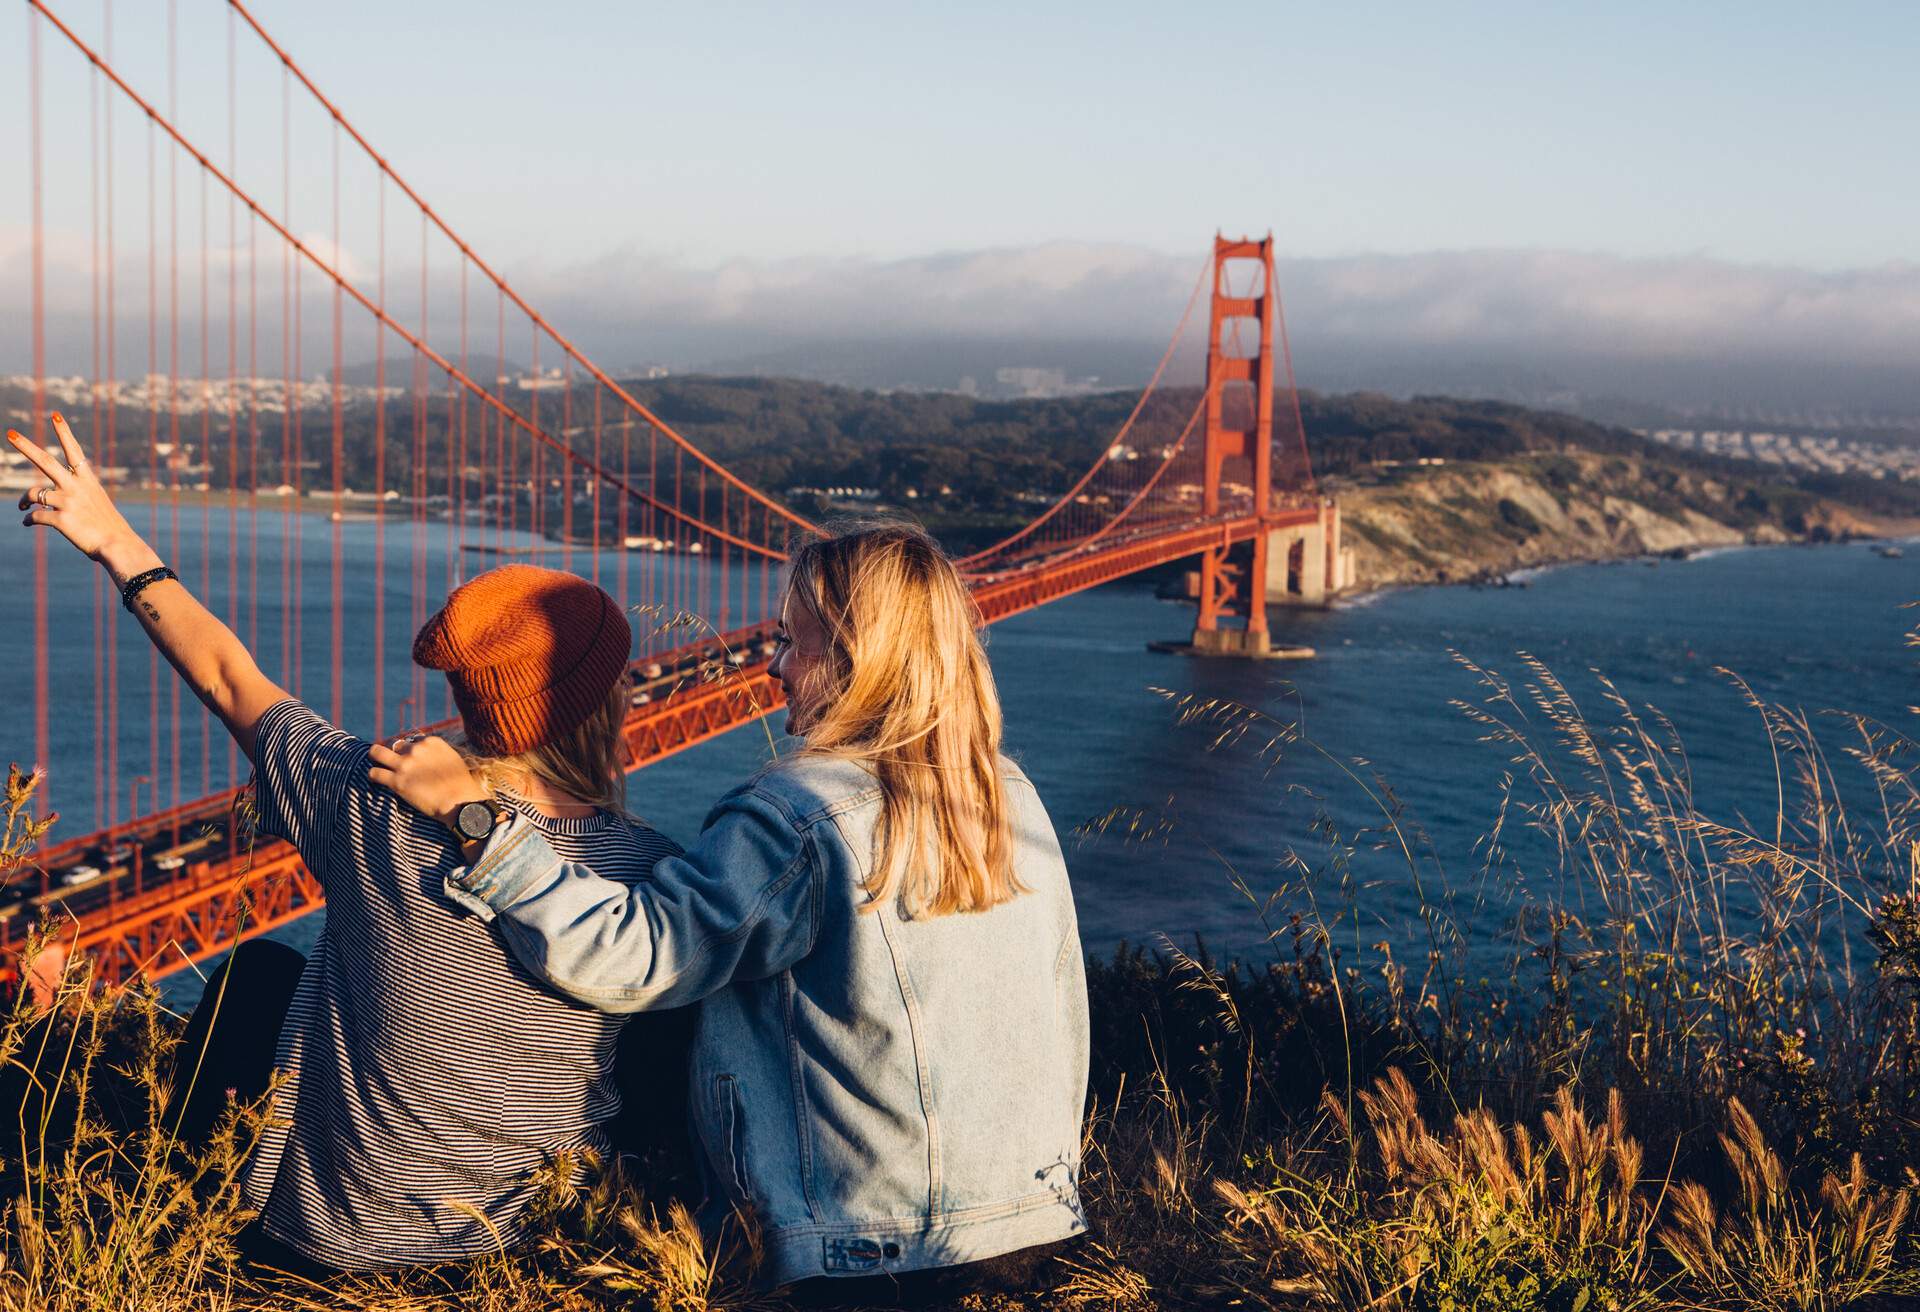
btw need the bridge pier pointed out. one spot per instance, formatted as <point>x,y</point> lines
<point>1254,644</point>
<point>1310,566</point>
<point>1234,644</point>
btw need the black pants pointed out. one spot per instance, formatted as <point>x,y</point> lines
<point>211,1066</point>
<point>650,1068</point>
<point>226,1054</point>
<point>226,1057</point>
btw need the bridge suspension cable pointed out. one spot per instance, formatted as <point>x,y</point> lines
<point>505,288</point>
<point>978,561</point>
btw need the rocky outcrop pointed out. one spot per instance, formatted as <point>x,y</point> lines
<point>1475,521</point>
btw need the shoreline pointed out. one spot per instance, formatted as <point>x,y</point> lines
<point>1523,575</point>
<point>355,507</point>
<point>1490,524</point>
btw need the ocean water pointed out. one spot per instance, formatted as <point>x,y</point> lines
<point>1171,831</point>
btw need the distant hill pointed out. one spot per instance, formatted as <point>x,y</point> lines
<point>781,433</point>
<point>972,469</point>
<point>1593,491</point>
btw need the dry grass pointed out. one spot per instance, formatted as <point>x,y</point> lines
<point>1692,1080</point>
<point>1776,1247</point>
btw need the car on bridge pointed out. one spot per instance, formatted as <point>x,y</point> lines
<point>173,858</point>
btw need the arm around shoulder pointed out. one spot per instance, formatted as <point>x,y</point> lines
<point>743,903</point>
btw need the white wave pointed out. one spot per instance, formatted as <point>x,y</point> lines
<point>1354,601</point>
<point>1731,548</point>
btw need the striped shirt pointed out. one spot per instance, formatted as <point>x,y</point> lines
<point>430,1075</point>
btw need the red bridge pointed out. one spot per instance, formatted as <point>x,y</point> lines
<point>230,283</point>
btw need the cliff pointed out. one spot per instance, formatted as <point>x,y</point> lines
<point>1475,520</point>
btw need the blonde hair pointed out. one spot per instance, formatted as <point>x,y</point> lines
<point>587,764</point>
<point>904,687</point>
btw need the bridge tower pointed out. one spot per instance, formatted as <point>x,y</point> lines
<point>1239,429</point>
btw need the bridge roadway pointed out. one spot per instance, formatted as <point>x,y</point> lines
<point>178,886</point>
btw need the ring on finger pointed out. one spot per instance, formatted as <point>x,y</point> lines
<point>40,495</point>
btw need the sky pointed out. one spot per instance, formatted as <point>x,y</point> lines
<point>1771,133</point>
<point>1607,167</point>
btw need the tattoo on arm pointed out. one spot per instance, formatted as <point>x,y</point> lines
<point>152,614</point>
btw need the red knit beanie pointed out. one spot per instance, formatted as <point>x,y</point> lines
<point>530,653</point>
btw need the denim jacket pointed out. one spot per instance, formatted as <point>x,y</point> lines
<point>884,1094</point>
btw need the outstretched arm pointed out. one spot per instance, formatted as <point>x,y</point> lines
<point>215,663</point>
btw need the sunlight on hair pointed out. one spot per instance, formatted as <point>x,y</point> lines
<point>907,691</point>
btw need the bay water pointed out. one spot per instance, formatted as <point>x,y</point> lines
<point>1186,792</point>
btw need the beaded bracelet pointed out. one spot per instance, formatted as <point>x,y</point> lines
<point>141,582</point>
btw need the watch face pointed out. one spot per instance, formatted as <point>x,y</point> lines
<point>474,820</point>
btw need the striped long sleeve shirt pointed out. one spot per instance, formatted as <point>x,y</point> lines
<point>430,1076</point>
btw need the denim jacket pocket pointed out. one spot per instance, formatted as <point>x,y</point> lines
<point>730,1114</point>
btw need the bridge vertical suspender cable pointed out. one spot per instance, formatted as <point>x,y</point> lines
<point>41,737</point>
<point>102,620</point>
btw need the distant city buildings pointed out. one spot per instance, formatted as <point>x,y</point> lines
<point>1027,381</point>
<point>1809,451</point>
<point>192,396</point>
<point>1031,383</point>
<point>837,493</point>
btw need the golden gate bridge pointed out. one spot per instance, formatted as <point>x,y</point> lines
<point>203,269</point>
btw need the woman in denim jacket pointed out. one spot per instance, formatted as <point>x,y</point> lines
<point>890,1062</point>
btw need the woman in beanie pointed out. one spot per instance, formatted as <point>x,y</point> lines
<point>889,1063</point>
<point>427,1076</point>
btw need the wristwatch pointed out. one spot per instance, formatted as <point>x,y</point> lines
<point>474,821</point>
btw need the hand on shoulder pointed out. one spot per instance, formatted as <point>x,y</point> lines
<point>427,773</point>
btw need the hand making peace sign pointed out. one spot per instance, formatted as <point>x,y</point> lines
<point>71,500</point>
<point>215,664</point>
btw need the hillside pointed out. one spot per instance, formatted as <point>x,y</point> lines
<point>1475,520</point>
<point>1434,489</point>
